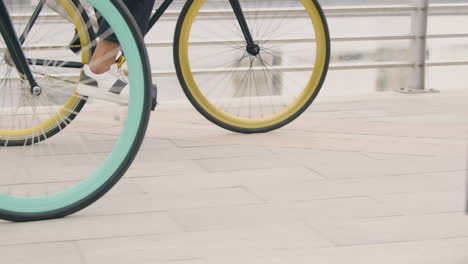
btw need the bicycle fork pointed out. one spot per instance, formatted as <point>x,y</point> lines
<point>252,48</point>
<point>15,50</point>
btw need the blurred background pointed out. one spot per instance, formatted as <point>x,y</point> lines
<point>347,26</point>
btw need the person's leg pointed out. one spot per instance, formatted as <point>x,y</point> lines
<point>141,11</point>
<point>108,47</point>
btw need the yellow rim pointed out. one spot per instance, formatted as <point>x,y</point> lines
<point>254,123</point>
<point>67,109</point>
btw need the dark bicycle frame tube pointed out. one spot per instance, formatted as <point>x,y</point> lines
<point>235,4</point>
<point>242,22</point>
<point>14,46</point>
<point>31,21</point>
<point>159,12</point>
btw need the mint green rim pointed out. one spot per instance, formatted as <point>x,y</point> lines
<point>124,143</point>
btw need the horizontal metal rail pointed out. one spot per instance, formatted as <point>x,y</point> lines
<point>214,42</point>
<point>328,10</point>
<point>337,66</point>
<point>448,7</point>
<point>298,68</point>
<point>333,9</point>
<point>369,8</point>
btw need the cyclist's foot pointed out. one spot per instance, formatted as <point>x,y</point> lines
<point>110,86</point>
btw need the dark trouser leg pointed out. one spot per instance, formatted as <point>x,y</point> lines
<point>141,11</point>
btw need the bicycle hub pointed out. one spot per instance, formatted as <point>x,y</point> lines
<point>253,50</point>
<point>36,90</point>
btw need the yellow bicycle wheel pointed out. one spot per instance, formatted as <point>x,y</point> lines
<point>249,93</point>
<point>27,119</point>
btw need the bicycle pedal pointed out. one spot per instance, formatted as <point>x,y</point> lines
<point>154,97</point>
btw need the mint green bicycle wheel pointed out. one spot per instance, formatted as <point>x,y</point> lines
<point>58,176</point>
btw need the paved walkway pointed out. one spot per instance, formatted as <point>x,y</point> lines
<point>355,180</point>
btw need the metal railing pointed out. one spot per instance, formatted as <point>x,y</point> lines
<point>419,10</point>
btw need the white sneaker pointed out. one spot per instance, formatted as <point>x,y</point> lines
<point>110,86</point>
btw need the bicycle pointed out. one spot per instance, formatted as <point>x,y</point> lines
<point>257,69</point>
<point>76,167</point>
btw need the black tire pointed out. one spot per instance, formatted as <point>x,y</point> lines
<point>216,121</point>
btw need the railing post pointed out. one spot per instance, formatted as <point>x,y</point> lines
<point>417,77</point>
<point>418,46</point>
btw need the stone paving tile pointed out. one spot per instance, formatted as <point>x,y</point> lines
<point>43,253</point>
<point>356,164</point>
<point>262,240</point>
<point>426,118</point>
<point>129,197</point>
<point>90,227</point>
<point>203,152</point>
<point>225,179</point>
<point>183,261</point>
<point>194,143</point>
<point>207,152</point>
<point>287,138</point>
<point>127,187</point>
<point>379,128</point>
<point>28,175</point>
<point>395,229</point>
<point>314,140</point>
<point>177,129</point>
<point>235,216</point>
<point>281,213</point>
<point>348,182</point>
<point>154,195</point>
<point>245,163</point>
<point>451,251</point>
<point>385,156</point>
<point>158,167</point>
<point>431,182</point>
<point>393,147</point>
<point>415,165</point>
<point>305,155</point>
<point>358,114</point>
<point>342,209</point>
<point>425,202</point>
<point>454,142</point>
<point>157,143</point>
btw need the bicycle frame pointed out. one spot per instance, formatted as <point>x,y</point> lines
<point>236,6</point>
<point>251,47</point>
<point>15,50</point>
